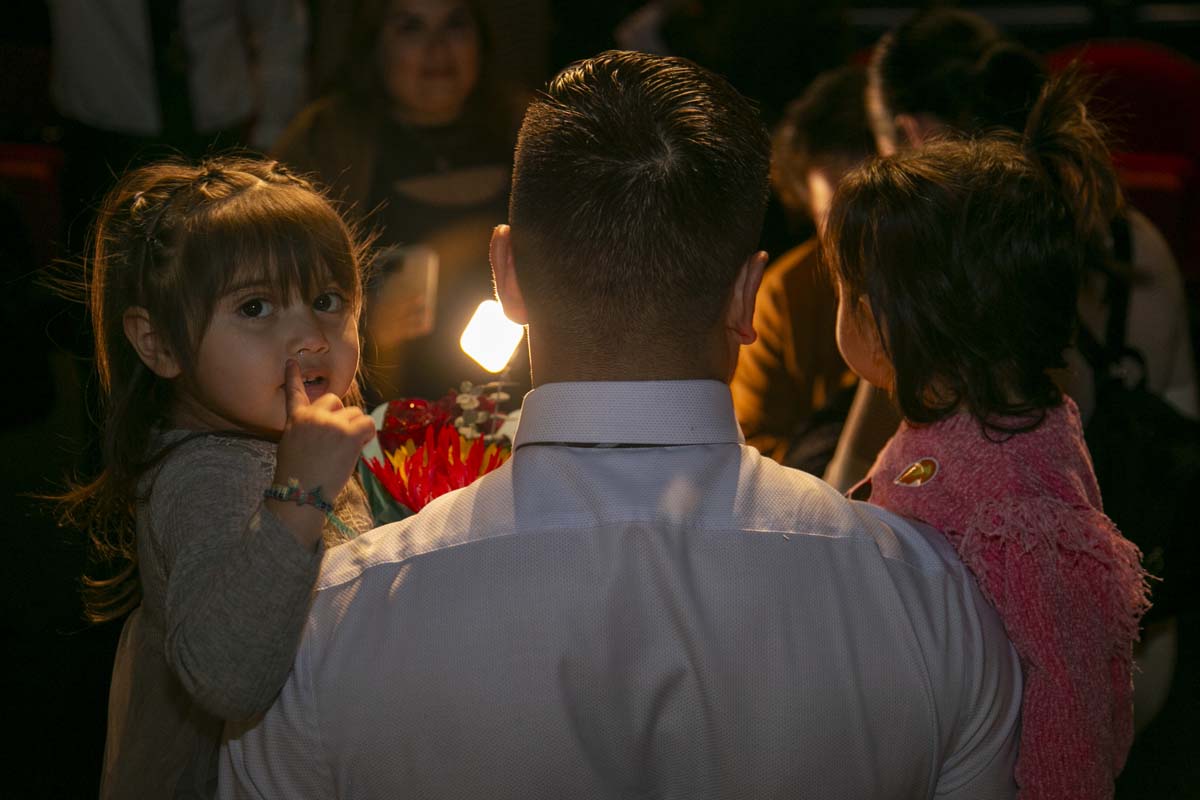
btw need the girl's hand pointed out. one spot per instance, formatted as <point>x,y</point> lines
<point>320,447</point>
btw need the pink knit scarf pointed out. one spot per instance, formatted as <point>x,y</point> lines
<point>1026,518</point>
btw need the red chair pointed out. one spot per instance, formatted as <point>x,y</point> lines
<point>31,174</point>
<point>1150,97</point>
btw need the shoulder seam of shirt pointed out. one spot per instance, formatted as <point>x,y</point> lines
<point>857,537</point>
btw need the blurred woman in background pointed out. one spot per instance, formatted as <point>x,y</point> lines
<point>416,140</point>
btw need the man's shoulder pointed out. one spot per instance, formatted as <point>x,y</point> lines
<point>479,511</point>
<point>773,496</point>
<point>541,550</point>
<point>763,498</point>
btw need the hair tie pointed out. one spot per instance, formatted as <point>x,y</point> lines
<point>151,230</point>
<point>137,206</point>
<point>210,175</point>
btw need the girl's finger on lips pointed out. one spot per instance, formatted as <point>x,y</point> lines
<point>328,402</point>
<point>359,417</point>
<point>357,423</point>
<point>294,397</point>
<point>355,420</point>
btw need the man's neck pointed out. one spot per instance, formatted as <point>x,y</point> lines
<point>563,365</point>
<point>613,372</point>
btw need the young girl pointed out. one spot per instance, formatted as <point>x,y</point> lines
<point>225,302</point>
<point>957,268</point>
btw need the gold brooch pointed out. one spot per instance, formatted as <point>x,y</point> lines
<point>918,473</point>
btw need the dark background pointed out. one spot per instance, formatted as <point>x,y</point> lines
<point>56,667</point>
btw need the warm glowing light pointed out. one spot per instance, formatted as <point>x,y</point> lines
<point>490,337</point>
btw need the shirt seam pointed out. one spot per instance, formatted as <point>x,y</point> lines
<point>855,538</point>
<point>315,722</point>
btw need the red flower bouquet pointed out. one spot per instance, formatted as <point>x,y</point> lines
<point>429,448</point>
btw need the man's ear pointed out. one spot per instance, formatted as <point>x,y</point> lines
<point>150,347</point>
<point>739,317</point>
<point>504,275</point>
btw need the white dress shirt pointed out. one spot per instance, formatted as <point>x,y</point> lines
<point>639,605</point>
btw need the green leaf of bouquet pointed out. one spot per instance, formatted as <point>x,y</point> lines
<point>384,507</point>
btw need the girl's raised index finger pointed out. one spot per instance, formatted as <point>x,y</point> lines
<point>294,395</point>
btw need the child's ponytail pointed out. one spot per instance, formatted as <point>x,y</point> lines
<point>1004,82</point>
<point>1069,145</point>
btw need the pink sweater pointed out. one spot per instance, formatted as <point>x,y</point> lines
<point>1025,516</point>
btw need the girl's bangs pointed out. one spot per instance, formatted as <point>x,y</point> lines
<point>283,236</point>
<point>292,241</point>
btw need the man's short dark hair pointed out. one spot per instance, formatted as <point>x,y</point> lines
<point>638,191</point>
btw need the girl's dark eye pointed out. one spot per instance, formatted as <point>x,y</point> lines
<point>255,308</point>
<point>330,302</point>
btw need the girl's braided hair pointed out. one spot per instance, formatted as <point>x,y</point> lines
<point>171,238</point>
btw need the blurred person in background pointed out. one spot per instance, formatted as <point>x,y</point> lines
<point>519,45</point>
<point>416,141</point>
<point>139,81</point>
<point>135,81</point>
<point>791,390</point>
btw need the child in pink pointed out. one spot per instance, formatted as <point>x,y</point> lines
<point>957,269</point>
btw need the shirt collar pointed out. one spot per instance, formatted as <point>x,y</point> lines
<point>629,412</point>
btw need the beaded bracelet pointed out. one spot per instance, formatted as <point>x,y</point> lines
<point>292,493</point>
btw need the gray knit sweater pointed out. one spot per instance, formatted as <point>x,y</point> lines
<point>226,591</point>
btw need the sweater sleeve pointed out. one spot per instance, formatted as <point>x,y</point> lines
<point>1070,597</point>
<point>238,585</point>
